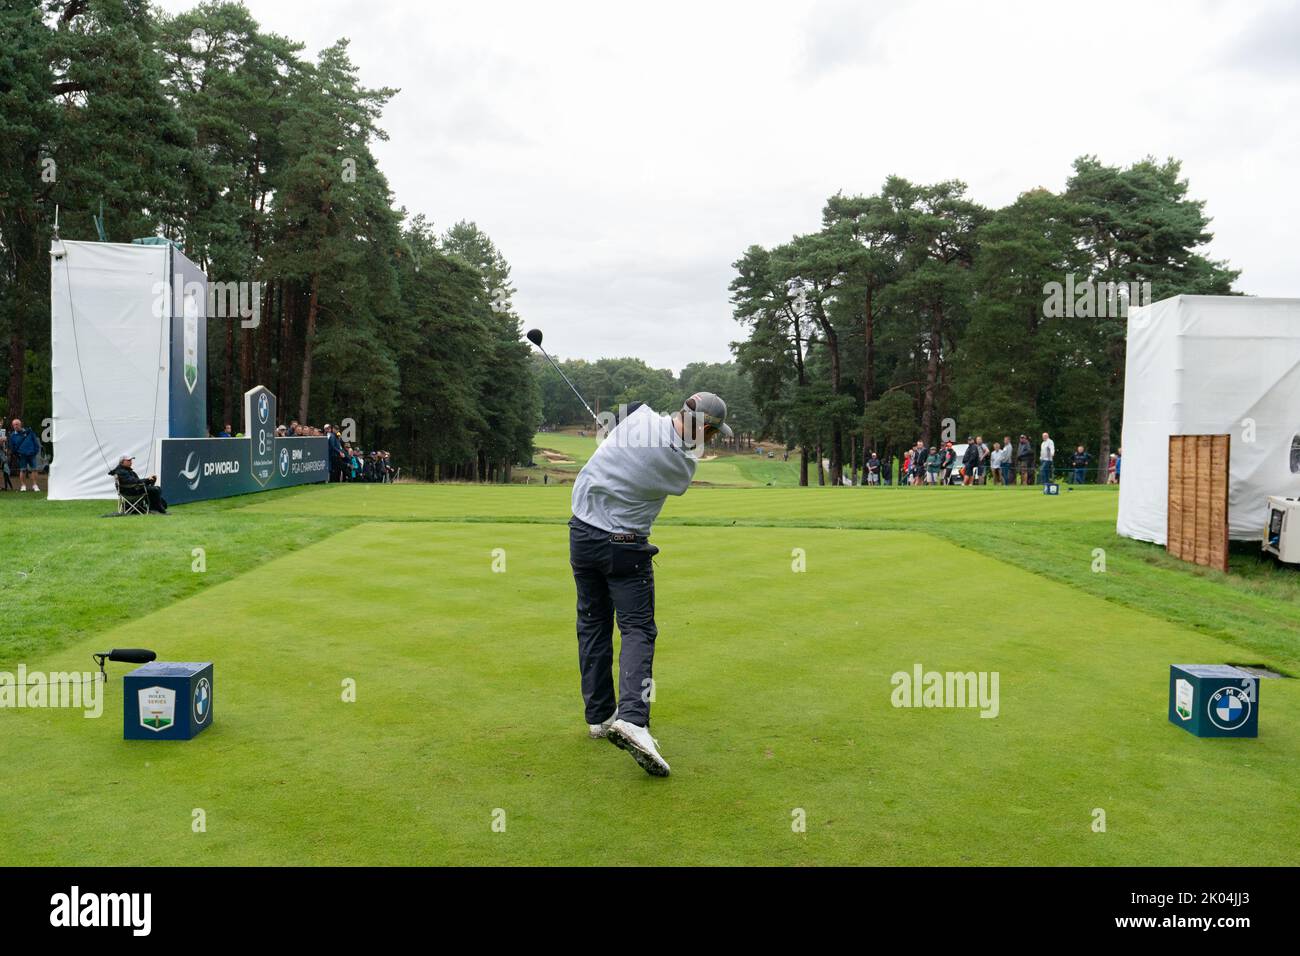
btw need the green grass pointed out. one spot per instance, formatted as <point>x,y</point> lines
<point>773,687</point>
<point>67,572</point>
<point>1256,607</point>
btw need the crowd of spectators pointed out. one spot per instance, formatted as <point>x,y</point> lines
<point>974,462</point>
<point>348,462</point>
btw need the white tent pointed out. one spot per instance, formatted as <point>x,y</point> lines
<point>112,350</point>
<point>1211,365</point>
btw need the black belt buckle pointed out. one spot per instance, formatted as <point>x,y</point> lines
<point>624,538</point>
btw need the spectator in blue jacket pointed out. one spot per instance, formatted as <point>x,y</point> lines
<point>26,447</point>
<point>338,457</point>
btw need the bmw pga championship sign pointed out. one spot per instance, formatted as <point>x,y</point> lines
<point>167,701</point>
<point>196,469</point>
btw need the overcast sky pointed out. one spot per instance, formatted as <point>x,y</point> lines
<point>622,156</point>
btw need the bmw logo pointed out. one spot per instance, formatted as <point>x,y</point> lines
<point>202,701</point>
<point>284,462</point>
<point>263,407</point>
<point>1229,708</point>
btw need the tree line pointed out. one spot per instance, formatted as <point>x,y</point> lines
<point>608,383</point>
<point>916,307</point>
<point>256,160</point>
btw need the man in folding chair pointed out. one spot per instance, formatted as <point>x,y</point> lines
<point>136,495</point>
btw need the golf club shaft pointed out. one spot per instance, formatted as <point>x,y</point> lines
<point>555,365</point>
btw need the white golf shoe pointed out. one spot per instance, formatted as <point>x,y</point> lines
<point>598,731</point>
<point>638,742</point>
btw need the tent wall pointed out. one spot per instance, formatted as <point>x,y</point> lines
<point>1201,365</point>
<point>110,349</point>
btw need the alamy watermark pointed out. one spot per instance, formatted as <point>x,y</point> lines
<point>68,690</point>
<point>1093,300</point>
<point>224,300</point>
<point>922,688</point>
<point>648,432</point>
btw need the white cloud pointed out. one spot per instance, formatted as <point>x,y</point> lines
<point>623,156</point>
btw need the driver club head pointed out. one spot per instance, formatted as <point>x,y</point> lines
<point>535,336</point>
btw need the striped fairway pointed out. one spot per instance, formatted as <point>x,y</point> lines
<point>773,700</point>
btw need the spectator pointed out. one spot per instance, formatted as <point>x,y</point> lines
<point>1046,452</point>
<point>1119,458</point>
<point>1080,460</point>
<point>982,469</point>
<point>1007,454</point>
<point>905,466</point>
<point>4,459</point>
<point>292,430</point>
<point>133,484</point>
<point>873,469</point>
<point>337,457</point>
<point>1024,459</point>
<point>25,447</point>
<point>225,432</point>
<point>949,463</point>
<point>995,463</point>
<point>970,461</point>
<point>1110,469</point>
<point>933,462</point>
<point>919,459</point>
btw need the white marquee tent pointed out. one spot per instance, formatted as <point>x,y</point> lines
<point>1202,365</point>
<point>114,347</point>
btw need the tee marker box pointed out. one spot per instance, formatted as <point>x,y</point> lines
<point>167,701</point>
<point>1214,700</point>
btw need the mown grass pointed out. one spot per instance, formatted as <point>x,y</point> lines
<point>1256,606</point>
<point>773,700</point>
<point>67,572</point>
<point>772,697</point>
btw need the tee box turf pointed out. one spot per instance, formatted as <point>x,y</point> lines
<point>167,701</point>
<point>1214,700</point>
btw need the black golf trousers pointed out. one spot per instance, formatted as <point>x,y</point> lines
<point>614,578</point>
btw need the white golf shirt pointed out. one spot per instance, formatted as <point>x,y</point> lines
<point>1046,451</point>
<point>622,488</point>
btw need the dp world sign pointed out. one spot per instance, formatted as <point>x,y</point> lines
<point>196,469</point>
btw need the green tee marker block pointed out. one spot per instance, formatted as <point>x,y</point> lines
<point>1214,700</point>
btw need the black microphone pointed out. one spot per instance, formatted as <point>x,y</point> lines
<point>124,655</point>
<point>132,655</point>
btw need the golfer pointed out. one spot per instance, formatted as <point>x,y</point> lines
<point>616,498</point>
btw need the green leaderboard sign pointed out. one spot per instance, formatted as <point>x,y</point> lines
<point>196,469</point>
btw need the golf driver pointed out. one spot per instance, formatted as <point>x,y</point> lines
<point>535,336</point>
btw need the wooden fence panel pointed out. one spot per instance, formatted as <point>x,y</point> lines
<point>1198,499</point>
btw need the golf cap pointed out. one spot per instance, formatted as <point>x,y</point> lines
<point>709,409</point>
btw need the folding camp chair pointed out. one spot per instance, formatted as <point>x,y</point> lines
<point>133,502</point>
